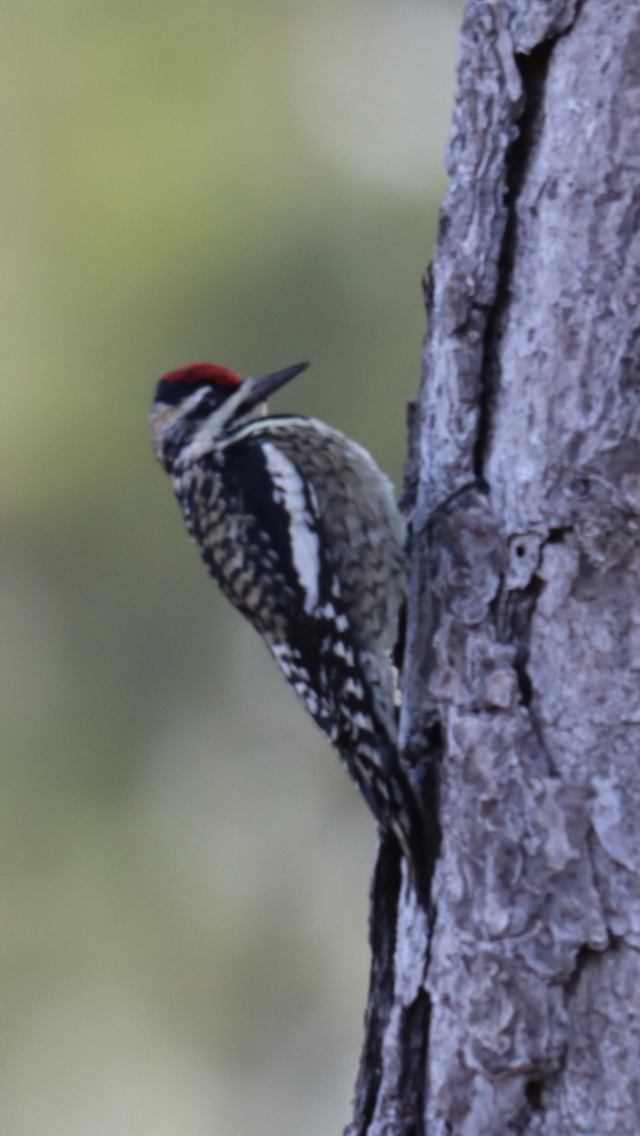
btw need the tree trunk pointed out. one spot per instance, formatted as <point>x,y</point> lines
<point>514,1006</point>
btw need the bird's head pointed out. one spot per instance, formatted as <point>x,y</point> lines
<point>198,405</point>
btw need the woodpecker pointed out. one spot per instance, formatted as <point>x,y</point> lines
<point>300,529</point>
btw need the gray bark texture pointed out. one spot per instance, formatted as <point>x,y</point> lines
<point>513,1004</point>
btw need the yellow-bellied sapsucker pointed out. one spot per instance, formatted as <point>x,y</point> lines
<point>301,530</point>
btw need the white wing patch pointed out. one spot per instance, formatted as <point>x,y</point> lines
<point>305,549</point>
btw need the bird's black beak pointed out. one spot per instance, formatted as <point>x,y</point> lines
<point>258,390</point>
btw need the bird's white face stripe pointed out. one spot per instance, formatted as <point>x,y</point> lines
<point>305,549</point>
<point>203,439</point>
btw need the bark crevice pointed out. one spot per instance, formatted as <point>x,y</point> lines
<point>385,891</point>
<point>533,68</point>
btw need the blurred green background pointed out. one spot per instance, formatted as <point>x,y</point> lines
<point>184,865</point>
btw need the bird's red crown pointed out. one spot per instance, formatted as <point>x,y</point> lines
<point>204,372</point>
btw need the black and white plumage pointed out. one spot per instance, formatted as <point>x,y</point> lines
<point>301,530</point>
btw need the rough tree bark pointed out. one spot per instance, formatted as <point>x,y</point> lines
<point>514,1006</point>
